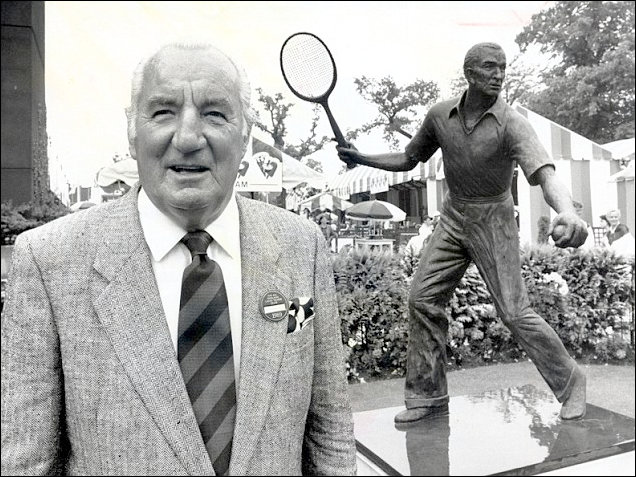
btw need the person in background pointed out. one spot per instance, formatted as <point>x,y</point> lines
<point>416,244</point>
<point>482,139</point>
<point>181,329</point>
<point>615,229</point>
<point>324,221</point>
<point>617,235</point>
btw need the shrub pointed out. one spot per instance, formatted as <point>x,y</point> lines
<point>586,296</point>
<point>17,219</point>
<point>372,303</point>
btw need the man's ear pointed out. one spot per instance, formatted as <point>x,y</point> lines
<point>131,147</point>
<point>246,139</point>
<point>468,74</point>
<point>129,130</point>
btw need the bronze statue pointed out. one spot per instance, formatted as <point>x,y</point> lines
<point>482,138</point>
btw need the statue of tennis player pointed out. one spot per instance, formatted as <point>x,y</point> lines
<point>482,138</point>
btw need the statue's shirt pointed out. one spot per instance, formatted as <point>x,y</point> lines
<point>480,161</point>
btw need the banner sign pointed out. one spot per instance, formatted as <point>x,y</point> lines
<point>261,169</point>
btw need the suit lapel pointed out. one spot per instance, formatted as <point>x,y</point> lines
<point>262,341</point>
<point>130,310</point>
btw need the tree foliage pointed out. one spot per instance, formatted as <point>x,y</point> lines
<point>591,89</point>
<point>399,107</point>
<point>277,112</point>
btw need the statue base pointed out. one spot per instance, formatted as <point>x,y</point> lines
<point>514,431</point>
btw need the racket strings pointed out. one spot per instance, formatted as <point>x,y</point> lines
<point>308,66</point>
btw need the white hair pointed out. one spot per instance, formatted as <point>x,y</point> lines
<point>245,90</point>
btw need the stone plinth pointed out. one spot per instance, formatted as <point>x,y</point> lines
<point>514,431</point>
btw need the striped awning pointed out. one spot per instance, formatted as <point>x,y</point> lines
<point>369,179</point>
<point>562,143</point>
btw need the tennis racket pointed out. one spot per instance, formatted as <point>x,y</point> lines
<point>310,72</point>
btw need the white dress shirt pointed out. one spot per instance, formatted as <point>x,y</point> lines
<point>170,257</point>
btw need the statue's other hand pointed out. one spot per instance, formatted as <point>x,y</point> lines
<point>568,230</point>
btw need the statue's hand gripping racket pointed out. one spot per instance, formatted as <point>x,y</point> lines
<point>310,72</point>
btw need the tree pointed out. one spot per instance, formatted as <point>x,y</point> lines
<point>278,111</point>
<point>399,107</point>
<point>591,89</point>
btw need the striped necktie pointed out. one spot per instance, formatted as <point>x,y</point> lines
<point>205,350</point>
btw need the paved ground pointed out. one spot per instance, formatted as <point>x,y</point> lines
<point>608,386</point>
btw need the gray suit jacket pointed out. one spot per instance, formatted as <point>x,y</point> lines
<point>90,379</point>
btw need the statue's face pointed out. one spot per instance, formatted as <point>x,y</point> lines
<point>486,75</point>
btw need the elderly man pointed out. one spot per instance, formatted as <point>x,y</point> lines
<point>482,138</point>
<point>615,229</point>
<point>181,329</point>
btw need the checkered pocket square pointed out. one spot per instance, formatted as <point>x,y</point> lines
<point>301,312</point>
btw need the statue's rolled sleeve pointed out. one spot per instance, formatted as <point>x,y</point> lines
<point>525,148</point>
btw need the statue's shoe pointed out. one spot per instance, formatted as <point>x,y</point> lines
<point>411,416</point>
<point>574,405</point>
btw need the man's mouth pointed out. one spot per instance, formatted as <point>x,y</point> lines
<point>188,169</point>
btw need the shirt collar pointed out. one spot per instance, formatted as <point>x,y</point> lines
<point>496,109</point>
<point>162,233</point>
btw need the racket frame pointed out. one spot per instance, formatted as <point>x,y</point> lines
<point>322,99</point>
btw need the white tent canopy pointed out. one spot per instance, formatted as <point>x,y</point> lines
<point>324,200</point>
<point>123,171</point>
<point>623,149</point>
<point>295,173</point>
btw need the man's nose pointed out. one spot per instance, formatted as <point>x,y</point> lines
<point>188,136</point>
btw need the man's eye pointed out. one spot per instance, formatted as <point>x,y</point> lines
<point>161,112</point>
<point>215,114</point>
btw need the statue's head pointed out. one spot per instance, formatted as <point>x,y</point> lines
<point>485,68</point>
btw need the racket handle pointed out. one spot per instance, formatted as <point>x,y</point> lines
<point>334,126</point>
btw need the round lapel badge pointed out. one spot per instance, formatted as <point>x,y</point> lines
<point>274,306</point>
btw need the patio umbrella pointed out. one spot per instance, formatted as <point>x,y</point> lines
<point>376,210</point>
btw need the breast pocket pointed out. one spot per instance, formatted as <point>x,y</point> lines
<point>297,341</point>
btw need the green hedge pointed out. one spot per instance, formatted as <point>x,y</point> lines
<point>586,296</point>
<point>16,219</point>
